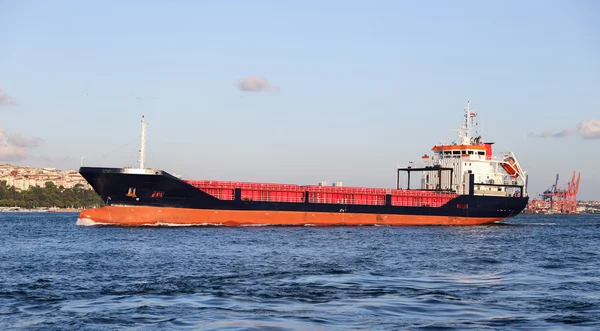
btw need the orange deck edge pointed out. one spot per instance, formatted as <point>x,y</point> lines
<point>141,216</point>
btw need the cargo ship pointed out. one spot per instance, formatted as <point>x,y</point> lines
<point>461,183</point>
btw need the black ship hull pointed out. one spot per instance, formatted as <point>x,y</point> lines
<point>151,191</point>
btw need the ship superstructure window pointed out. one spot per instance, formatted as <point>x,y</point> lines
<point>470,152</point>
<point>480,153</point>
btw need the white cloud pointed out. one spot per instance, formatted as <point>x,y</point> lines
<point>255,84</point>
<point>588,129</point>
<point>15,147</point>
<point>6,100</point>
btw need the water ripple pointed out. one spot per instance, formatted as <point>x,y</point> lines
<point>533,273</point>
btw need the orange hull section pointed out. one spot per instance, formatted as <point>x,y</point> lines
<point>143,216</point>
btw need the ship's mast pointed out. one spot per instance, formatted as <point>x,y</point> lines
<point>465,132</point>
<point>143,145</point>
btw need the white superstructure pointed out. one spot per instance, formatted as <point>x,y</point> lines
<point>472,156</point>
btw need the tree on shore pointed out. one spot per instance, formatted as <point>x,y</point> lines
<point>48,196</point>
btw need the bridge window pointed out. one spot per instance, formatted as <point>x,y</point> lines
<point>480,153</point>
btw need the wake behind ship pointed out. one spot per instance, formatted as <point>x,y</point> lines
<point>461,184</point>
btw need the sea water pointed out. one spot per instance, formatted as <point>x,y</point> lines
<point>533,272</point>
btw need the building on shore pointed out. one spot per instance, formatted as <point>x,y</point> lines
<point>23,177</point>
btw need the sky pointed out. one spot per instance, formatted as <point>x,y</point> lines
<point>299,91</point>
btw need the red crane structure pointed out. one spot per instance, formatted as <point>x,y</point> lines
<point>563,200</point>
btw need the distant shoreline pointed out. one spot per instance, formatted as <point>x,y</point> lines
<point>39,210</point>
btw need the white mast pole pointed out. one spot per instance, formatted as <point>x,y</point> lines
<point>143,145</point>
<point>465,132</point>
<point>469,124</point>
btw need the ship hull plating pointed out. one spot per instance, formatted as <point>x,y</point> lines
<point>156,198</point>
<point>157,216</point>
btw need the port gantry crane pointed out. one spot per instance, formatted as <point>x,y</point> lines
<point>563,200</point>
